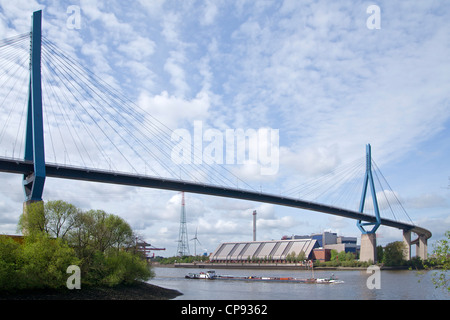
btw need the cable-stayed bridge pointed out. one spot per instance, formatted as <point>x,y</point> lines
<point>93,133</point>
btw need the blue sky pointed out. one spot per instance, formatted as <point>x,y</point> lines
<point>311,69</point>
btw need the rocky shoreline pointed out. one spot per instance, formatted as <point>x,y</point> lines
<point>137,291</point>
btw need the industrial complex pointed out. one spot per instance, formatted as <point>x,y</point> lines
<point>314,247</point>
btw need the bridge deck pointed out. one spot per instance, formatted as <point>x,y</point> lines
<point>85,174</point>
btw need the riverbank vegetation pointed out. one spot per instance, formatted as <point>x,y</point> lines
<point>58,235</point>
<point>183,259</point>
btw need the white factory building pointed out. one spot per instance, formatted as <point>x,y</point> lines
<point>275,250</point>
<point>314,246</point>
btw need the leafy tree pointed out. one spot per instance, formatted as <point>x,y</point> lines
<point>344,256</point>
<point>61,217</point>
<point>32,219</point>
<point>393,254</point>
<point>44,262</point>
<point>40,262</point>
<point>125,267</point>
<point>301,256</point>
<point>380,253</point>
<point>291,256</point>
<point>58,235</point>
<point>56,218</point>
<point>334,255</point>
<point>97,230</point>
<point>9,258</point>
<point>441,250</point>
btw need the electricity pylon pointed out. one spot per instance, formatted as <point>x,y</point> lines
<point>183,244</point>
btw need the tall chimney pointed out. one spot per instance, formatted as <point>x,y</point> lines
<point>254,225</point>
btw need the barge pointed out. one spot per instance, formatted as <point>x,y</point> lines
<point>211,275</point>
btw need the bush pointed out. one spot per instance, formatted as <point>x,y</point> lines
<point>9,257</point>
<point>115,267</point>
<point>45,261</point>
<point>40,262</point>
<point>125,268</point>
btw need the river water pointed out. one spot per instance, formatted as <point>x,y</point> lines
<point>393,285</point>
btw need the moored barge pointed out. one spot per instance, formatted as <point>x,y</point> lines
<point>211,275</point>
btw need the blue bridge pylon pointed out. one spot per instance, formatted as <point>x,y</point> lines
<point>368,181</point>
<point>33,182</point>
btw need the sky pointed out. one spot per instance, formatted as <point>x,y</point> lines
<point>328,77</point>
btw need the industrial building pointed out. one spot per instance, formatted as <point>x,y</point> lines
<point>316,246</point>
<point>275,250</point>
<point>330,240</point>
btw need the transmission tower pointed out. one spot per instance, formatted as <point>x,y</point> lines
<point>183,243</point>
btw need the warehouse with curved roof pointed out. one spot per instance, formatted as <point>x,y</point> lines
<point>275,250</point>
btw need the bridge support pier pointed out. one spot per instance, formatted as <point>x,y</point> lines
<point>407,243</point>
<point>422,248</point>
<point>368,250</point>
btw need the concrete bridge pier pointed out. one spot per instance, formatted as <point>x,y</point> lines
<point>422,248</point>
<point>407,243</point>
<point>368,250</point>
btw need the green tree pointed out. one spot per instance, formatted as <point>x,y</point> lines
<point>32,219</point>
<point>60,218</point>
<point>58,235</point>
<point>125,267</point>
<point>99,231</point>
<point>95,237</point>
<point>44,262</point>
<point>380,253</point>
<point>393,254</point>
<point>291,257</point>
<point>9,258</point>
<point>56,218</point>
<point>441,250</point>
<point>40,262</point>
<point>333,255</point>
<point>301,256</point>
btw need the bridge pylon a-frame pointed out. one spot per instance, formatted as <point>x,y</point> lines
<point>368,237</point>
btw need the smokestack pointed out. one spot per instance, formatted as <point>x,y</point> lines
<point>254,225</point>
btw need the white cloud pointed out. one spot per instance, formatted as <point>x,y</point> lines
<point>427,200</point>
<point>138,48</point>
<point>210,12</point>
<point>173,111</point>
<point>174,67</point>
<point>154,7</point>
